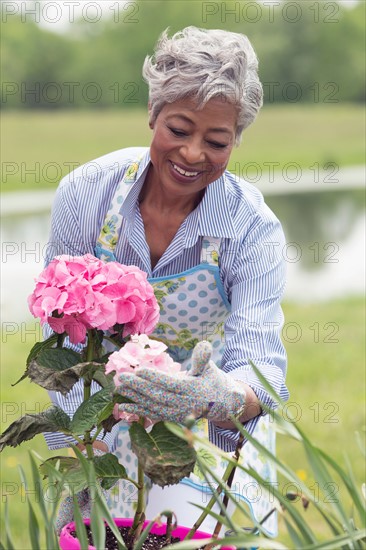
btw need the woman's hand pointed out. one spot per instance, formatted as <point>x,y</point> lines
<point>205,391</point>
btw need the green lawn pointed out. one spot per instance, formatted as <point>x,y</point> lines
<point>326,379</point>
<point>38,147</point>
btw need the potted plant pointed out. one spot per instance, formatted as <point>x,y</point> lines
<point>89,302</point>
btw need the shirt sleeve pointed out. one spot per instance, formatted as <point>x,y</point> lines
<point>66,238</point>
<point>253,328</point>
<point>66,235</point>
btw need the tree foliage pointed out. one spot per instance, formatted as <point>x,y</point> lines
<point>308,51</point>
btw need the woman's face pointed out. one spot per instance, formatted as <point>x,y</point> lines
<point>191,148</point>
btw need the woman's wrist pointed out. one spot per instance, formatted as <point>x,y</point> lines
<point>252,408</point>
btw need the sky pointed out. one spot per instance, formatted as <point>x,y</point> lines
<point>58,15</point>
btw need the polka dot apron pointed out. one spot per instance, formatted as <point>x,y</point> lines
<point>193,308</point>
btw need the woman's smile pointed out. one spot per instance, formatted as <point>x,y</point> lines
<point>184,175</point>
<point>190,148</point>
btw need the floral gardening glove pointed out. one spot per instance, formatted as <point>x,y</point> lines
<point>203,391</point>
<point>66,511</point>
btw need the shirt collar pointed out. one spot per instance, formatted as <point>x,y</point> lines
<point>213,217</point>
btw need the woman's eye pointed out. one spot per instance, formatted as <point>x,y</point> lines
<point>217,145</point>
<point>176,132</point>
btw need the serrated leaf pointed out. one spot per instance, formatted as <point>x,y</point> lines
<point>39,346</point>
<point>165,458</point>
<point>86,416</point>
<point>106,418</point>
<point>36,349</point>
<point>106,412</point>
<point>61,380</point>
<point>103,379</point>
<point>26,427</point>
<point>109,470</point>
<point>58,358</point>
<point>108,409</point>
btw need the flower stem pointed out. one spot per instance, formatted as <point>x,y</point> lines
<point>139,517</point>
<point>87,392</point>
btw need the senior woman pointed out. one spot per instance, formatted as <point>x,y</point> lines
<point>207,241</point>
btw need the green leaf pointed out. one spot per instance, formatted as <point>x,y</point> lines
<point>26,427</point>
<point>36,349</point>
<point>206,457</point>
<point>349,482</point>
<point>105,415</point>
<point>296,540</point>
<point>103,379</point>
<point>80,526</point>
<point>342,541</point>
<point>69,467</point>
<point>221,485</point>
<point>97,525</point>
<point>104,511</point>
<point>33,523</point>
<point>109,470</point>
<point>58,358</point>
<point>61,380</point>
<point>106,412</point>
<point>33,527</point>
<point>164,457</point>
<point>86,416</point>
<point>9,542</point>
<point>37,482</point>
<point>48,506</point>
<point>39,346</point>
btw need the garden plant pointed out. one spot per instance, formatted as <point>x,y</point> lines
<point>88,302</point>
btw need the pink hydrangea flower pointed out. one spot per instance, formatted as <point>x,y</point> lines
<point>140,351</point>
<point>81,293</point>
<point>131,291</point>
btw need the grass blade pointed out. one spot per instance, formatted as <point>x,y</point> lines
<point>348,481</point>
<point>108,518</point>
<point>80,526</point>
<point>9,542</point>
<point>33,522</point>
<point>33,528</point>
<point>96,520</point>
<point>99,503</point>
<point>38,483</point>
<point>339,542</point>
<point>47,507</point>
<point>292,533</point>
<point>204,469</point>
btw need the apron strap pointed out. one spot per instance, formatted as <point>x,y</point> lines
<point>210,250</point>
<point>108,237</point>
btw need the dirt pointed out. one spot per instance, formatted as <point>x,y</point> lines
<point>153,542</point>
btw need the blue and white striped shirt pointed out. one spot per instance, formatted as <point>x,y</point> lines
<point>252,266</point>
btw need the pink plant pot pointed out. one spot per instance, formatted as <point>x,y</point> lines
<point>68,542</point>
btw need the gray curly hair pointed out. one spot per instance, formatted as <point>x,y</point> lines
<point>203,64</point>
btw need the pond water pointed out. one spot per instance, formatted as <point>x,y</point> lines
<point>325,233</point>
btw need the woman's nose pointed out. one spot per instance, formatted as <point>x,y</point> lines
<point>192,152</point>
